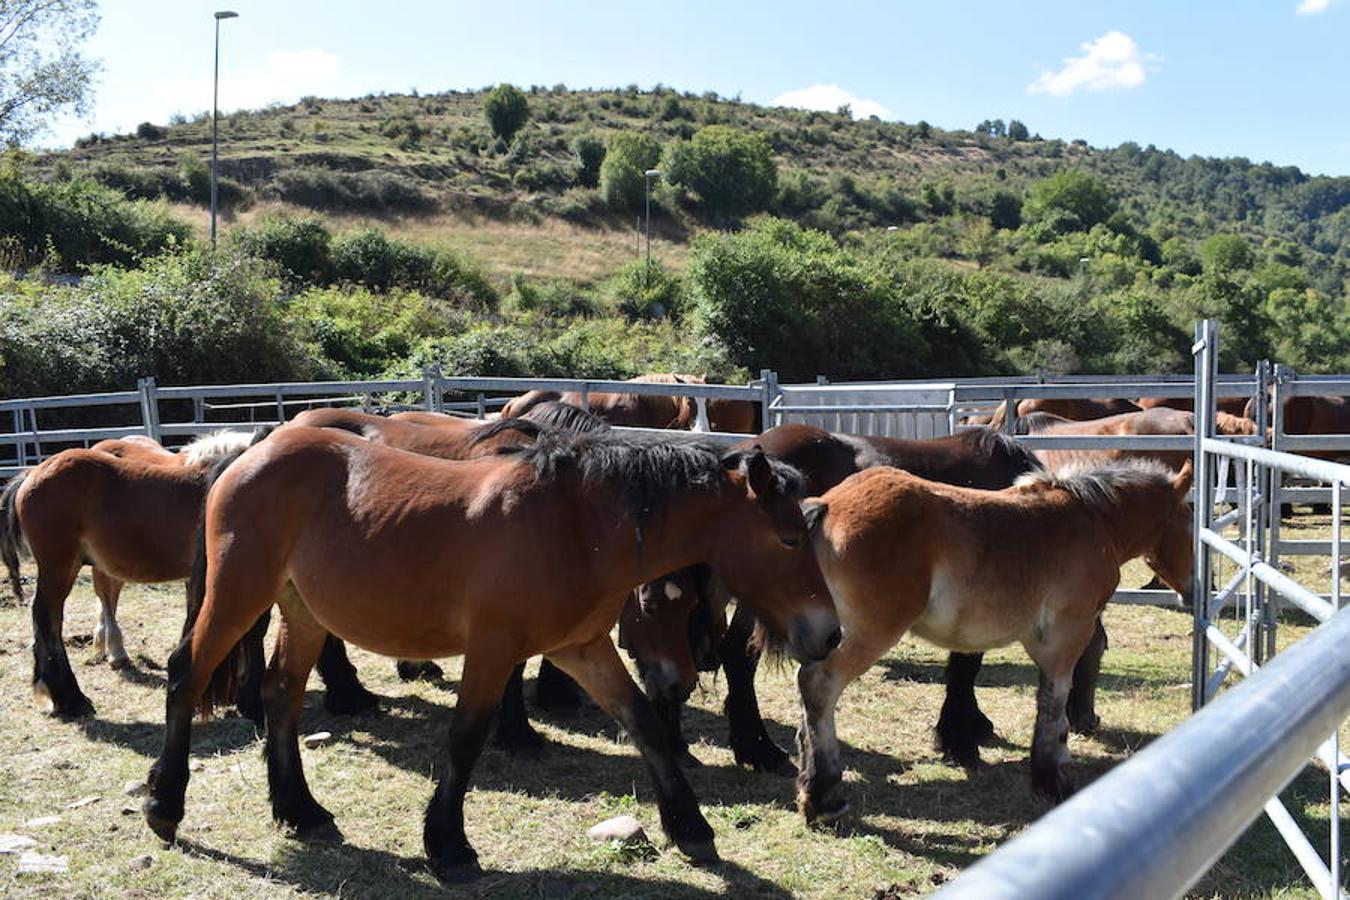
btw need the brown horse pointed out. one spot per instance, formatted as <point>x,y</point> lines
<point>1234,406</point>
<point>1312,415</point>
<point>978,458</point>
<point>1158,420</point>
<point>650,411</point>
<point>974,570</point>
<point>498,558</point>
<point>129,509</point>
<point>1070,408</point>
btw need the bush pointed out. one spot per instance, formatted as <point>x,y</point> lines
<point>363,333</point>
<point>628,156</point>
<point>369,258</point>
<point>369,192</point>
<point>642,291</point>
<point>148,131</point>
<point>506,110</point>
<point>68,225</point>
<point>589,152</point>
<point>1073,200</point>
<point>301,248</point>
<point>731,171</point>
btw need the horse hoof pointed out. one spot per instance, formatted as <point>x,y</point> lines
<point>1056,788</point>
<point>165,829</point>
<point>523,744</point>
<point>118,663</point>
<point>825,813</point>
<point>456,868</point>
<point>699,850</point>
<point>769,759</point>
<point>351,703</point>
<point>80,708</point>
<point>323,832</point>
<point>419,670</point>
<point>1085,724</point>
<point>984,732</point>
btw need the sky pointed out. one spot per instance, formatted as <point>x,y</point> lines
<point>1268,80</point>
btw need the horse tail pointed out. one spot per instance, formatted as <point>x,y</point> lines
<point>223,688</point>
<point>12,544</point>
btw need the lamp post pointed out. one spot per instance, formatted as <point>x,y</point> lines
<point>647,182</point>
<point>215,116</point>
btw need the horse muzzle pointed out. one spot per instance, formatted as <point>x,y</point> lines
<point>814,636</point>
<point>662,681</point>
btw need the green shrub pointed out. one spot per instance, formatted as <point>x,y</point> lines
<point>506,110</point>
<point>300,247</point>
<point>731,171</point>
<point>370,192</point>
<point>589,152</point>
<point>642,291</point>
<point>66,225</point>
<point>628,156</point>
<point>368,257</point>
<point>365,334</point>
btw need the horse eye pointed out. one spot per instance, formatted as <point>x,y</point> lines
<point>791,541</point>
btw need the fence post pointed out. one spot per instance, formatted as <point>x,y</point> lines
<point>431,387</point>
<point>768,393</point>
<point>1205,351</point>
<point>149,408</point>
<point>1282,376</point>
<point>1260,519</point>
<point>20,446</point>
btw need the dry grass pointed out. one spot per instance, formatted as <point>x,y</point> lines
<point>919,822</point>
<point>549,249</point>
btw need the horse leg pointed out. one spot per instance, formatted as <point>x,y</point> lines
<point>300,642</point>
<point>486,670</point>
<point>53,679</point>
<point>1082,710</point>
<point>961,727</point>
<point>108,634</point>
<point>597,668</point>
<point>191,666</point>
<point>670,713</point>
<point>554,691</point>
<point>250,700</point>
<point>1055,654</point>
<point>750,741</point>
<point>514,732</point>
<point>418,670</point>
<point>820,798</point>
<point>344,693</point>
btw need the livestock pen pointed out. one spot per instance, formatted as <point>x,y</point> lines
<point>918,822</point>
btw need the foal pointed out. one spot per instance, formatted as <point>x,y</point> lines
<point>129,509</point>
<point>499,558</point>
<point>974,570</point>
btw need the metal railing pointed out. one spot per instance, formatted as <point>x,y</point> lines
<point>1155,824</point>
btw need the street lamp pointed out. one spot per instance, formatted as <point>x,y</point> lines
<point>215,116</point>
<point>647,182</point>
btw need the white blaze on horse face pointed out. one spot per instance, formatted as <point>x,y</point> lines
<point>701,423</point>
<point>673,591</point>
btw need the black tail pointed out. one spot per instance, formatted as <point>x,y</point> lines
<point>12,544</point>
<point>223,689</point>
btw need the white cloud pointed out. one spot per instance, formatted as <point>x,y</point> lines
<point>1113,60</point>
<point>1313,7</point>
<point>829,97</point>
<point>284,77</point>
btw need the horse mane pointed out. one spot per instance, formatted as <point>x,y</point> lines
<point>564,416</point>
<point>1229,424</point>
<point>992,442</point>
<point>209,448</point>
<point>649,469</point>
<point>1038,422</point>
<point>1098,485</point>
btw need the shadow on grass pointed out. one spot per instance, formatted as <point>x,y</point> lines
<point>363,872</point>
<point>1003,674</point>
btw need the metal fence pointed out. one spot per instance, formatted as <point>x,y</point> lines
<point>1154,825</point>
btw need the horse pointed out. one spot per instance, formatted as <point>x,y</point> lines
<point>499,558</point>
<point>1312,415</point>
<point>651,411</point>
<point>978,458</point>
<point>1078,409</point>
<point>449,437</point>
<point>1157,420</point>
<point>126,507</point>
<point>1233,406</point>
<point>973,570</point>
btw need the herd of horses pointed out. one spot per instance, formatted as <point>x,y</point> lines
<point>421,536</point>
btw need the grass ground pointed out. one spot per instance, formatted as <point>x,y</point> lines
<point>918,822</point>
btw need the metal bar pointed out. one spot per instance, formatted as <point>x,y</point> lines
<point>866,408</point>
<point>1320,469</point>
<point>1222,596</point>
<point>1153,825</point>
<point>1206,367</point>
<point>1297,841</point>
<point>1305,599</point>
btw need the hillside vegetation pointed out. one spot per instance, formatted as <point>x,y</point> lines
<point>804,241</point>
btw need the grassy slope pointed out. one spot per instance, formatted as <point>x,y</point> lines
<point>919,821</point>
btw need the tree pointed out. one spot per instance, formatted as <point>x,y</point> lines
<point>1225,253</point>
<point>42,71</point>
<point>1073,200</point>
<point>628,155</point>
<point>506,110</point>
<point>1017,131</point>
<point>589,151</point>
<point>731,171</point>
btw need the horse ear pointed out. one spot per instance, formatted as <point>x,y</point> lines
<point>1181,482</point>
<point>758,473</point>
<point>814,511</point>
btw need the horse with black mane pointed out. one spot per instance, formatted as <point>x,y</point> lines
<point>499,558</point>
